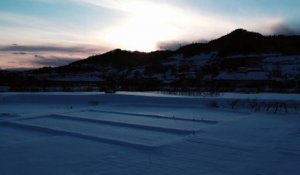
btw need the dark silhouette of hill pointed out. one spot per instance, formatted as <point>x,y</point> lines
<point>238,42</point>
<point>259,63</point>
<point>120,58</point>
<point>244,42</point>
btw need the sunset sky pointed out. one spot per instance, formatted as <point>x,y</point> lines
<point>36,33</point>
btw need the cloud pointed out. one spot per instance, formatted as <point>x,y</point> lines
<point>285,29</point>
<point>33,29</point>
<point>148,25</point>
<point>13,19</point>
<point>19,53</point>
<point>143,25</point>
<point>48,48</point>
<point>130,6</point>
<point>277,26</point>
<point>110,4</point>
<point>171,45</point>
<point>53,61</point>
<point>35,56</point>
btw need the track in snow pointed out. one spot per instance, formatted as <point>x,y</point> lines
<point>136,130</point>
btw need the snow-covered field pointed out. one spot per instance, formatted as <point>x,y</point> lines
<point>147,133</point>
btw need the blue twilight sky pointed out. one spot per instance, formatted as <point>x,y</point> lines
<point>37,33</point>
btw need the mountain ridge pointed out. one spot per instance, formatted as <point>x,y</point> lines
<point>239,41</point>
<point>238,61</point>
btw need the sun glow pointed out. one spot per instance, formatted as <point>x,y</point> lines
<point>146,24</point>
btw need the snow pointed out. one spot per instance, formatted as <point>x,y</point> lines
<point>197,60</point>
<point>203,59</point>
<point>255,55</point>
<point>261,96</point>
<point>89,77</point>
<point>145,133</point>
<point>243,76</point>
<point>282,59</point>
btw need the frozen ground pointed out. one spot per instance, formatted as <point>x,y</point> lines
<point>145,133</point>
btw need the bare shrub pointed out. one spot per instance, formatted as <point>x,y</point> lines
<point>268,106</point>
